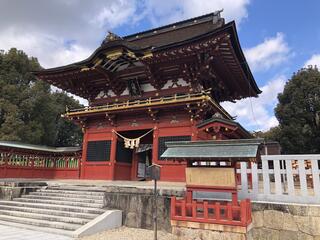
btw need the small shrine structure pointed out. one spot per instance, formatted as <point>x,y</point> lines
<point>211,167</point>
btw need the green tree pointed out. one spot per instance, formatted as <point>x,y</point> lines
<point>298,113</point>
<point>29,110</point>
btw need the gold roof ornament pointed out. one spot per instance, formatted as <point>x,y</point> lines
<point>111,37</point>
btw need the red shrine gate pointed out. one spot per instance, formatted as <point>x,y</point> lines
<point>170,80</point>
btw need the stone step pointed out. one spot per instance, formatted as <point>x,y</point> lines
<point>40,223</point>
<point>54,207</point>
<point>66,201</point>
<point>82,196</point>
<point>87,188</point>
<point>83,192</point>
<point>30,196</point>
<point>44,217</point>
<point>56,202</point>
<point>37,228</point>
<point>87,216</point>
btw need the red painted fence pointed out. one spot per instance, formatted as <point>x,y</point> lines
<point>22,165</point>
<point>211,212</point>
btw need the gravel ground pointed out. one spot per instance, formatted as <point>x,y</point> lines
<point>125,233</point>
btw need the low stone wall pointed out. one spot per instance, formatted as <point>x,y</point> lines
<point>285,222</point>
<point>270,221</point>
<point>14,189</point>
<point>137,206</point>
<point>199,234</point>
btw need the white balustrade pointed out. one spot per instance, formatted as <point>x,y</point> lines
<point>285,179</point>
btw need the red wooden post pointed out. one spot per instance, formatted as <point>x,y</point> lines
<point>234,199</point>
<point>217,211</point>
<point>205,210</point>
<point>183,208</point>
<point>229,211</point>
<point>189,196</point>
<point>194,210</point>
<point>243,212</point>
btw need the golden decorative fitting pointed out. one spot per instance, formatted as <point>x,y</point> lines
<point>148,103</point>
<point>147,55</point>
<point>84,69</point>
<point>114,54</point>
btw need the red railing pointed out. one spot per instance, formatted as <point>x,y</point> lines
<point>211,212</point>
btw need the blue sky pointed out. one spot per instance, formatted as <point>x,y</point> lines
<point>278,37</point>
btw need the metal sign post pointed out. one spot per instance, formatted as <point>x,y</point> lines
<point>154,173</point>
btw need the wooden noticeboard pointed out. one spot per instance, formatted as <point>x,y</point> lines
<point>211,177</point>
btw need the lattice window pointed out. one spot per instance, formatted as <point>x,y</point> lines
<point>162,143</point>
<point>123,154</point>
<point>99,150</point>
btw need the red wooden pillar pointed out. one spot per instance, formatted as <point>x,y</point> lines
<point>134,166</point>
<point>82,165</point>
<point>155,145</point>
<point>113,152</point>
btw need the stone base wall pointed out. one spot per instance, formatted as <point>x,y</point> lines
<point>270,221</point>
<point>10,190</point>
<point>137,206</point>
<point>200,234</point>
<point>285,222</point>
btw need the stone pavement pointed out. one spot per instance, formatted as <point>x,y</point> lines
<point>12,233</point>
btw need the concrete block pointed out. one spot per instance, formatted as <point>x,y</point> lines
<point>109,220</point>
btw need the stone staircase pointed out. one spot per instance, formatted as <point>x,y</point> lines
<point>59,210</point>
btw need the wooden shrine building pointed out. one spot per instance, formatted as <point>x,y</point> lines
<point>162,85</point>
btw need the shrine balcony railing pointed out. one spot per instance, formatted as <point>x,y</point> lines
<point>281,178</point>
<point>149,102</point>
<point>211,212</point>
<point>20,165</point>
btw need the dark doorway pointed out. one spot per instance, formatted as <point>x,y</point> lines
<point>134,161</point>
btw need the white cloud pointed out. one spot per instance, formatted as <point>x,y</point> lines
<point>257,113</point>
<point>313,61</point>
<point>273,51</point>
<point>168,11</point>
<point>115,14</point>
<point>61,32</point>
<point>50,50</point>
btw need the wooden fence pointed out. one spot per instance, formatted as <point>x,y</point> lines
<point>23,165</point>
<point>281,178</point>
<point>211,212</point>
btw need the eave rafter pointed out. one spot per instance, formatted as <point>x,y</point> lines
<point>188,50</point>
<point>155,77</point>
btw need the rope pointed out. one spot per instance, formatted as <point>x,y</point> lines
<point>132,142</point>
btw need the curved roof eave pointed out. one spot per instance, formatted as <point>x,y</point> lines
<point>109,46</point>
<point>32,147</point>
<point>231,27</point>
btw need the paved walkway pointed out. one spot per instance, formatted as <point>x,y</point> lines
<point>12,233</point>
